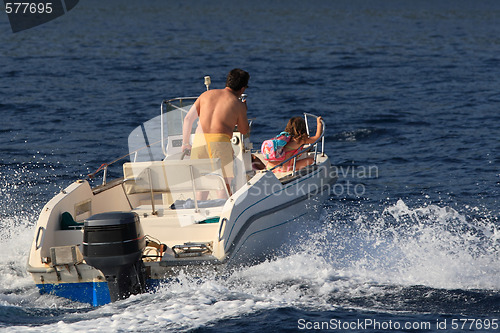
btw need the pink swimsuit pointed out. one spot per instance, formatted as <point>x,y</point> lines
<point>288,166</point>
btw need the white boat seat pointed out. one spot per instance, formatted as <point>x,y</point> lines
<point>173,176</point>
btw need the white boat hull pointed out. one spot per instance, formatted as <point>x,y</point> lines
<point>268,214</point>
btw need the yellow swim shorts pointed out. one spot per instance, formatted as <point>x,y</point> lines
<point>214,145</point>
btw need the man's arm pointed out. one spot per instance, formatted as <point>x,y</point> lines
<point>188,125</point>
<point>243,120</point>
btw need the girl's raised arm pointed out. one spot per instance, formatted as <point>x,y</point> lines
<point>319,129</point>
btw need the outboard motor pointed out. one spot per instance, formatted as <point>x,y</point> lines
<point>113,243</point>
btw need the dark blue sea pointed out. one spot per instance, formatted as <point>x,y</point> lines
<point>409,240</point>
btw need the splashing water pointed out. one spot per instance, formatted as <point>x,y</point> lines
<point>420,259</point>
<point>433,246</point>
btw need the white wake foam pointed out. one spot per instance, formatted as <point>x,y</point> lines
<point>429,245</point>
<point>353,256</point>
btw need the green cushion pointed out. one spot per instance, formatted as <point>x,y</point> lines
<point>210,220</point>
<point>67,222</point>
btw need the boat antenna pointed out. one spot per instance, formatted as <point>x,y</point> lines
<point>207,82</point>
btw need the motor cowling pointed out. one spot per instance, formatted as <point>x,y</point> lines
<point>113,243</point>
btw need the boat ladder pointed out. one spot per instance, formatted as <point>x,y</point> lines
<point>192,249</point>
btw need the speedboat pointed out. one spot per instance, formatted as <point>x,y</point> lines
<point>170,213</point>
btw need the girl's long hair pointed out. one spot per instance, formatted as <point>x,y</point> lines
<point>297,128</point>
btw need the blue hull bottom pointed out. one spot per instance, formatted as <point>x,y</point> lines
<point>94,293</point>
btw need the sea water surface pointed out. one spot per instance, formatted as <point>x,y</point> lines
<point>409,240</point>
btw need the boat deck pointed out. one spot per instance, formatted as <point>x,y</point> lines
<point>176,227</point>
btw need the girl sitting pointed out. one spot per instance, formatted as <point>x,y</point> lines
<point>296,128</point>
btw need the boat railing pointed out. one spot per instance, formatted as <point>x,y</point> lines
<point>308,148</point>
<point>181,100</point>
<point>104,166</point>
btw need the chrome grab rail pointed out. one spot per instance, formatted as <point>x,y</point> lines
<point>222,223</point>
<point>305,150</point>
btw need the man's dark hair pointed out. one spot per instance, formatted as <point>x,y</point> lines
<point>237,79</point>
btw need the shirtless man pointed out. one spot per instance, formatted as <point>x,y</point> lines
<point>219,111</point>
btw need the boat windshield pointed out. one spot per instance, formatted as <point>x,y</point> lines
<point>161,137</point>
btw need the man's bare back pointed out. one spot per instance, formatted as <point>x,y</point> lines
<point>220,110</point>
